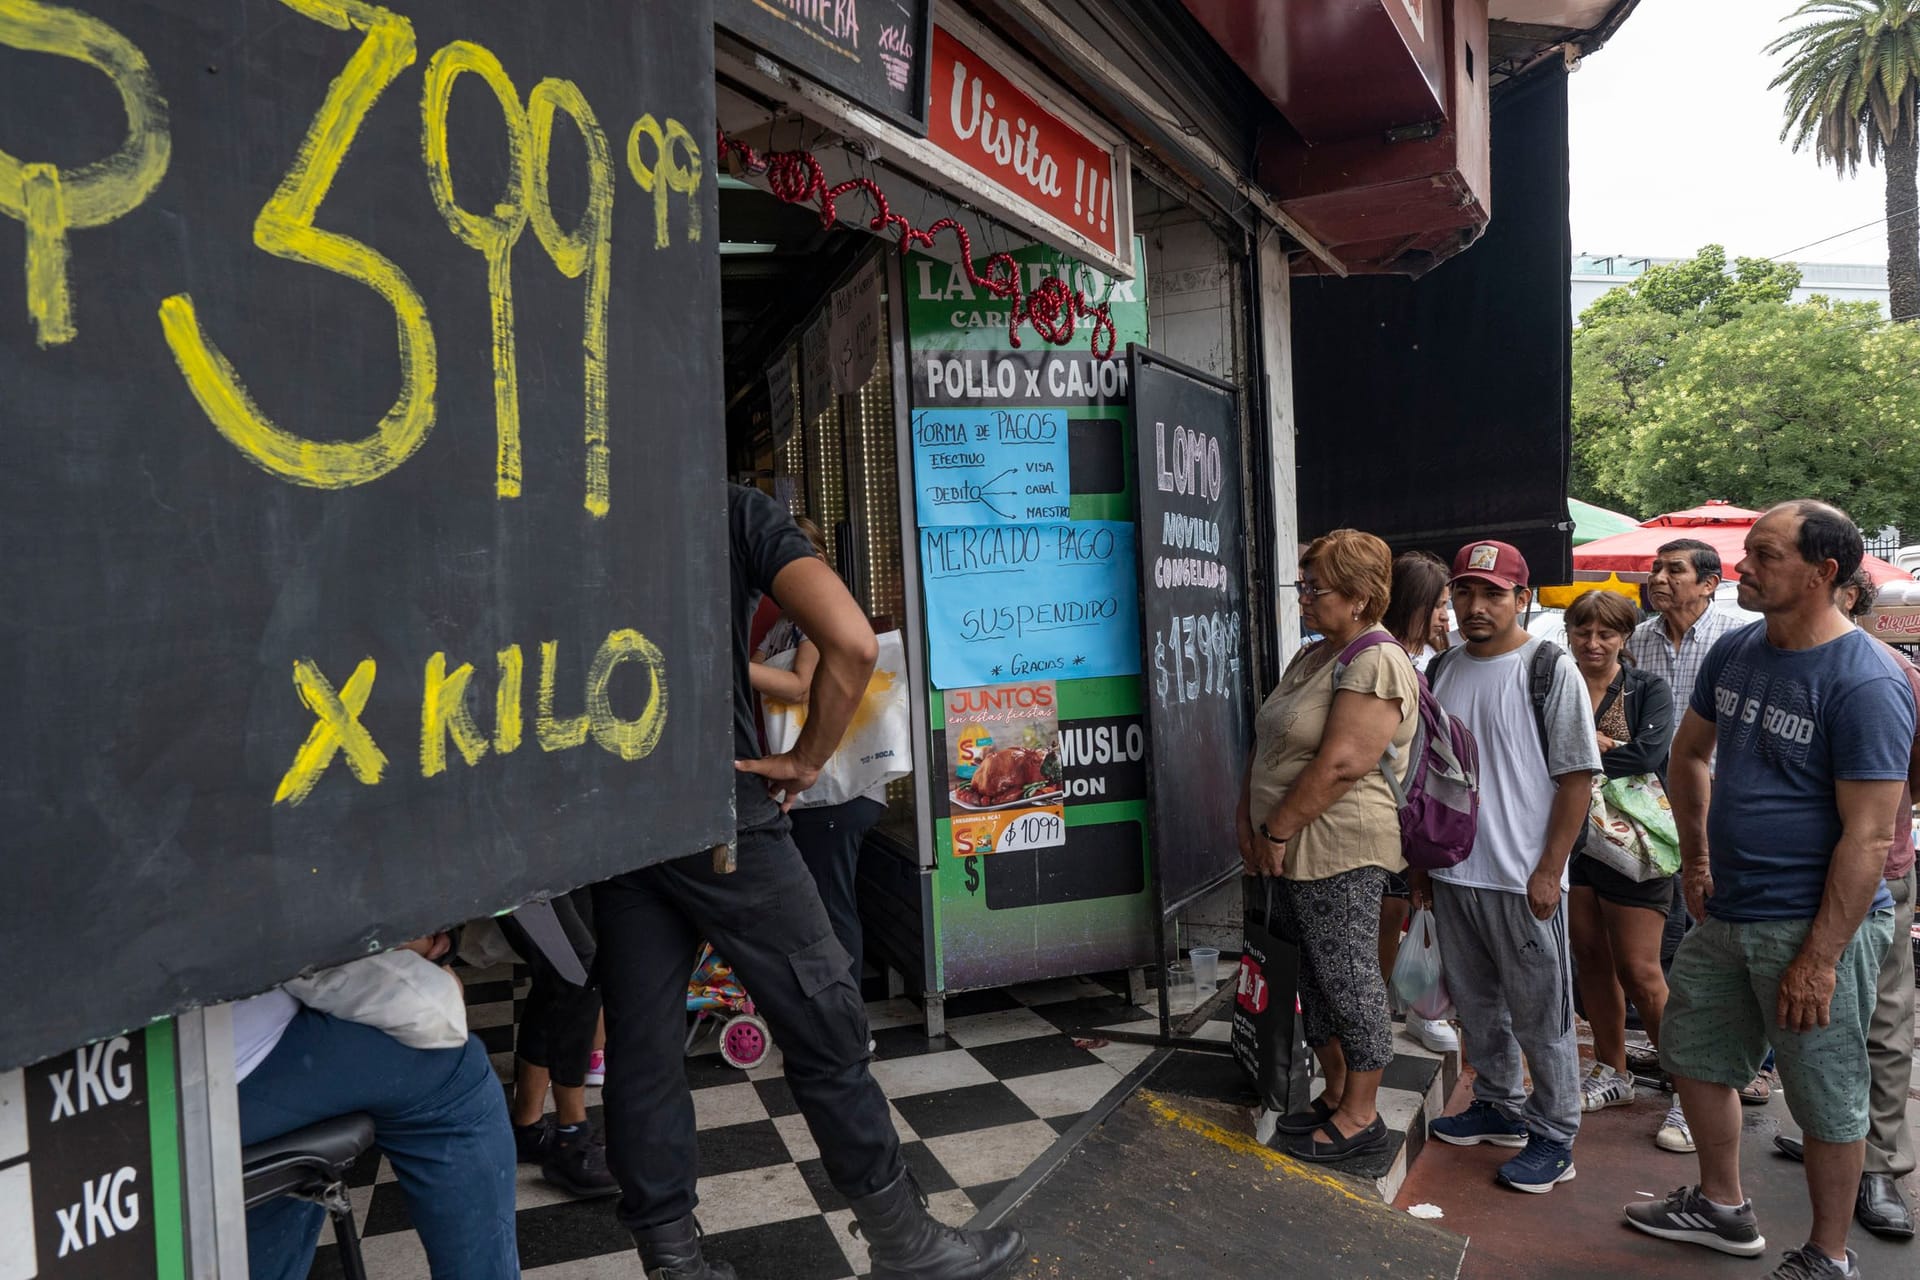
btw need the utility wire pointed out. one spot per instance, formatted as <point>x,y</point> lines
<point>1836,235</point>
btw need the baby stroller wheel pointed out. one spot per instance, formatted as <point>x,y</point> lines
<point>744,1041</point>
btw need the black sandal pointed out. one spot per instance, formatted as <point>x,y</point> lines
<point>1310,1149</point>
<point>1316,1114</point>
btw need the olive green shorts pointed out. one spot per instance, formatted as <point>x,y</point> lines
<point>1722,1013</point>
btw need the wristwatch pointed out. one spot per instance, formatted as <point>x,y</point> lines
<point>1268,836</point>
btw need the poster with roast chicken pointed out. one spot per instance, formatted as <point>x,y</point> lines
<point>1004,776</point>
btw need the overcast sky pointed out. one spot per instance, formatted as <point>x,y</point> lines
<point>1675,140</point>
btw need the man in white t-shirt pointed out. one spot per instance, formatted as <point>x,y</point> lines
<point>1500,913</point>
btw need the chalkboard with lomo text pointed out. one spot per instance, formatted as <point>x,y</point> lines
<point>361,482</point>
<point>872,52</point>
<point>1193,619</point>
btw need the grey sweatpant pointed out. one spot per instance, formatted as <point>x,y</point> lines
<point>1890,1044</point>
<point>1512,981</point>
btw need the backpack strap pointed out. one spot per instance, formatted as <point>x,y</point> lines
<point>1358,646</point>
<point>1436,662</point>
<point>1355,648</point>
<point>1546,659</point>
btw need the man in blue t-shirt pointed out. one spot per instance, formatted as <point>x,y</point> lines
<point>1813,724</point>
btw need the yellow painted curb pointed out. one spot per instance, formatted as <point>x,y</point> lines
<point>1241,1144</point>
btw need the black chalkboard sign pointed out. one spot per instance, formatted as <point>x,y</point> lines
<point>1193,619</point>
<point>361,482</point>
<point>871,52</point>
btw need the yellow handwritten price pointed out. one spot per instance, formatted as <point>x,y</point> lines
<point>285,229</point>
<point>492,234</point>
<point>588,248</point>
<point>50,202</point>
<point>676,167</point>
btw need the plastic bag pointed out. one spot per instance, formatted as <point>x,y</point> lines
<point>1419,977</point>
<point>402,993</point>
<point>878,746</point>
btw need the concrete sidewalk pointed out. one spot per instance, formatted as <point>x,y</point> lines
<point>1577,1231</point>
<point>1170,1182</point>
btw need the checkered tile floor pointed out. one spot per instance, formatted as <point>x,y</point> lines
<point>973,1108</point>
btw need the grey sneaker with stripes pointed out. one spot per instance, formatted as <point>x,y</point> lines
<point>1690,1217</point>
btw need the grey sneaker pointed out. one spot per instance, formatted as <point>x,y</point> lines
<point>1808,1263</point>
<point>1690,1217</point>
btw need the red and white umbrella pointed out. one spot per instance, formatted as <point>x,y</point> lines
<point>1720,525</point>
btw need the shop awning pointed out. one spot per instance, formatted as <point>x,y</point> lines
<point>1382,152</point>
<point>1591,523</point>
<point>1719,525</point>
<point>1714,512</point>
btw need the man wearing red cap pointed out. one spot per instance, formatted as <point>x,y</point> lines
<point>1501,914</point>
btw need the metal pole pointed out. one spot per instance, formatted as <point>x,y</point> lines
<point>210,1142</point>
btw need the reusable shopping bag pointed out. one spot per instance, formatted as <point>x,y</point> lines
<point>1630,827</point>
<point>1269,1035</point>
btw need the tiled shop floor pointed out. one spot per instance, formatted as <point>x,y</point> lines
<point>973,1108</point>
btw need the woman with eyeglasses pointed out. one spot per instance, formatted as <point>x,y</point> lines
<point>1317,814</point>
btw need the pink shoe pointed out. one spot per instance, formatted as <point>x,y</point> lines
<point>597,1069</point>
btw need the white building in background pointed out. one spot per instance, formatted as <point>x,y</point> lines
<point>1595,274</point>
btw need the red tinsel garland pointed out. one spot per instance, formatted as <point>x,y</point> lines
<point>1054,309</point>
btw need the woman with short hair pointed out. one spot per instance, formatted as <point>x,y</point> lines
<point>1316,812</point>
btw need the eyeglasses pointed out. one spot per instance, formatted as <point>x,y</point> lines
<point>1309,590</point>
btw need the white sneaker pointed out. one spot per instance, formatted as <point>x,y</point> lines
<point>1604,1087</point>
<point>1439,1037</point>
<point>1674,1134</point>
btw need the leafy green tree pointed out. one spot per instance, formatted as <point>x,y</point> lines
<point>1782,401</point>
<point>1701,287</point>
<point>1853,90</point>
<point>1625,339</point>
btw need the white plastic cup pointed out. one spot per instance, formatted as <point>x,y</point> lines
<point>1206,969</point>
<point>1182,996</point>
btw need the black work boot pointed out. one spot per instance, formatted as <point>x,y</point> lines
<point>576,1161</point>
<point>672,1252</point>
<point>908,1243</point>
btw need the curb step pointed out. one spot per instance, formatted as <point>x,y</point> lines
<point>1413,1091</point>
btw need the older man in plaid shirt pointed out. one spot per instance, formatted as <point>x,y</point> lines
<point>1680,587</point>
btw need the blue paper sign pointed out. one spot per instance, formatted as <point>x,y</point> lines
<point>989,466</point>
<point>1051,601</point>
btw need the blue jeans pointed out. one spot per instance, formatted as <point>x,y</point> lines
<point>438,1114</point>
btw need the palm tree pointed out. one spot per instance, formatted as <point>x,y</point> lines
<point>1853,89</point>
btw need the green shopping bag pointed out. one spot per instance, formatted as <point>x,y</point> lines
<point>1631,827</point>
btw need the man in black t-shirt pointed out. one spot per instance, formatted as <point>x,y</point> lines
<point>766,919</point>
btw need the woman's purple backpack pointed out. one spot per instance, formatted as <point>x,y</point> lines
<point>1440,803</point>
